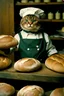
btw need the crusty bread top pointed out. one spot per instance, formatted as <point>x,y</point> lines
<point>27,64</point>
<point>4,62</point>
<point>57,92</point>
<point>7,41</point>
<point>6,89</point>
<point>31,90</point>
<point>55,62</point>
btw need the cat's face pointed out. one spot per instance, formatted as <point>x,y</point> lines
<point>30,23</point>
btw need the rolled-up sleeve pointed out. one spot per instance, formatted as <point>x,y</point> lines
<point>12,49</point>
<point>50,48</point>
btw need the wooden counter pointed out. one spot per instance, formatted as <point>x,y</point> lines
<point>43,75</point>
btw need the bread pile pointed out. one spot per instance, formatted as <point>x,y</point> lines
<point>6,89</point>
<point>31,90</point>
<point>7,41</point>
<point>4,62</point>
<point>27,65</point>
<point>55,62</point>
<point>57,92</point>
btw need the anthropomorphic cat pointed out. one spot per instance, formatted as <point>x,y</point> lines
<point>32,41</point>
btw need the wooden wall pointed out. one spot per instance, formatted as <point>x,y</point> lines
<point>7,17</point>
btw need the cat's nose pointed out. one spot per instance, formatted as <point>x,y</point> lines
<point>30,23</point>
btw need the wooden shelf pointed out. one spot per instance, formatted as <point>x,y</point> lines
<point>43,75</point>
<point>48,20</point>
<point>56,38</point>
<point>41,3</point>
<point>53,20</point>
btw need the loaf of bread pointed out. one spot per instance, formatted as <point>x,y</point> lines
<point>7,41</point>
<point>6,89</point>
<point>57,92</point>
<point>31,90</point>
<point>4,62</point>
<point>27,65</point>
<point>55,62</point>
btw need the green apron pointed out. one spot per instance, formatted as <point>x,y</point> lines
<point>33,48</point>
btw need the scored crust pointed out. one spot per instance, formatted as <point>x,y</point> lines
<point>27,64</point>
<point>57,92</point>
<point>55,62</point>
<point>6,89</point>
<point>31,90</point>
<point>7,41</point>
<point>4,62</point>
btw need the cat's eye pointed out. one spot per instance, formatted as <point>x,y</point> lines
<point>26,20</point>
<point>34,20</point>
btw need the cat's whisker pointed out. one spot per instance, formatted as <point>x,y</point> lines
<point>28,25</point>
<point>31,25</point>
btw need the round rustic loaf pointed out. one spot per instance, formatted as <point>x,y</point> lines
<point>27,65</point>
<point>57,92</point>
<point>55,62</point>
<point>6,89</point>
<point>4,62</point>
<point>31,90</point>
<point>7,41</point>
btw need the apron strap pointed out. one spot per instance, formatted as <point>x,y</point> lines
<point>43,46</point>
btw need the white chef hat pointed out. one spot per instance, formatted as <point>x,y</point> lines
<point>32,11</point>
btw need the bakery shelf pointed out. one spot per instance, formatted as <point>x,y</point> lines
<point>56,38</point>
<point>42,75</point>
<point>41,3</point>
<point>53,20</point>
